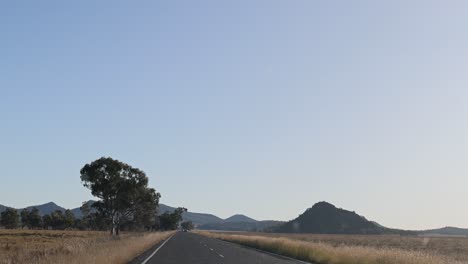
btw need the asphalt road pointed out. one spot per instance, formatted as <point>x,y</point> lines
<point>189,248</point>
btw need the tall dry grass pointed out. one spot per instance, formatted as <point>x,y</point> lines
<point>325,253</point>
<point>41,247</point>
<point>453,247</point>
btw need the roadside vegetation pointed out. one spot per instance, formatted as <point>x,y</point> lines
<point>47,246</point>
<point>125,202</point>
<point>355,249</point>
<point>109,230</point>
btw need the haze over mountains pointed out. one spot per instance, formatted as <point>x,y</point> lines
<point>196,218</point>
<point>321,218</point>
<point>451,231</point>
<point>236,222</point>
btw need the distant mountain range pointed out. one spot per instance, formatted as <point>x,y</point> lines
<point>451,231</point>
<point>321,218</point>
<point>241,225</point>
<point>196,218</point>
<point>236,222</point>
<point>46,208</point>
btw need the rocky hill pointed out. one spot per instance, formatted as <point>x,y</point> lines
<point>325,218</point>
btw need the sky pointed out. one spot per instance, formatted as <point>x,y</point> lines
<point>255,107</point>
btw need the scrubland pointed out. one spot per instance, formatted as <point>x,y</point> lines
<point>43,246</point>
<point>355,249</point>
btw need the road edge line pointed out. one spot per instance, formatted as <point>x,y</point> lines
<point>155,251</point>
<point>266,252</point>
<point>278,255</point>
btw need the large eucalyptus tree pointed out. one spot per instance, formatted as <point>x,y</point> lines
<point>122,190</point>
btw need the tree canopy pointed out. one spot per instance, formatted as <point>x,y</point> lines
<point>24,218</point>
<point>34,219</point>
<point>170,221</point>
<point>187,225</point>
<point>31,219</point>
<point>10,218</point>
<point>123,191</point>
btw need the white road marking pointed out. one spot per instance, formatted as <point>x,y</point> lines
<point>268,253</point>
<point>211,249</point>
<point>221,255</point>
<point>146,260</point>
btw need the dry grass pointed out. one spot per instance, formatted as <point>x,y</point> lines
<point>350,249</point>
<point>41,246</point>
<point>453,247</point>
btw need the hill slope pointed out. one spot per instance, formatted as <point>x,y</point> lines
<point>236,222</point>
<point>446,231</point>
<point>325,218</point>
<point>240,218</point>
<point>320,218</point>
<point>196,218</point>
<point>46,208</point>
<point>77,211</point>
<point>241,226</point>
<point>2,208</point>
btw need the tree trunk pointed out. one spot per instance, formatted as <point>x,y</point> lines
<point>113,224</point>
<point>114,230</point>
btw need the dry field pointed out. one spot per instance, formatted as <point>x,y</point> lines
<point>356,249</point>
<point>42,246</point>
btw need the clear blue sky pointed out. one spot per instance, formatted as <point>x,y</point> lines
<point>254,107</point>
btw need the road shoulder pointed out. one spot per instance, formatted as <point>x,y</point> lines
<point>142,257</point>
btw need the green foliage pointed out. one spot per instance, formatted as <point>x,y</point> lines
<point>31,219</point>
<point>10,218</point>
<point>46,221</point>
<point>91,219</point>
<point>35,220</point>
<point>59,220</point>
<point>68,219</point>
<point>187,225</point>
<point>170,221</point>
<point>86,215</point>
<point>123,192</point>
<point>25,218</point>
<point>144,217</point>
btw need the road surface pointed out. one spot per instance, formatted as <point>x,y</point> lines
<point>189,248</point>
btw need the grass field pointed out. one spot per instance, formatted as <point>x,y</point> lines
<point>43,246</point>
<point>356,249</point>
